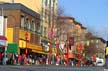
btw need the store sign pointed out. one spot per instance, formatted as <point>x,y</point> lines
<point>1,25</point>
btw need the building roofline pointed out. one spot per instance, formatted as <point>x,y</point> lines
<point>77,23</point>
<point>65,17</point>
<point>83,27</point>
<point>18,6</point>
<point>99,38</point>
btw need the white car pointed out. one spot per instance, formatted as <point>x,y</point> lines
<point>100,62</point>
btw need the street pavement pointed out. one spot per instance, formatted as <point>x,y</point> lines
<point>49,68</point>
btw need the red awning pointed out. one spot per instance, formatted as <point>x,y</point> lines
<point>3,38</point>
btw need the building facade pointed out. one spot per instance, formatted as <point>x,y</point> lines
<point>72,34</point>
<point>48,14</point>
<point>23,25</point>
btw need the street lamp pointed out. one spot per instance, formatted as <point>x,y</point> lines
<point>26,38</point>
<point>80,47</point>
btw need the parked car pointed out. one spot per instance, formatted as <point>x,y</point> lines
<point>100,62</point>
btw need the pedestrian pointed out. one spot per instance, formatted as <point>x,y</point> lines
<point>19,59</point>
<point>57,59</point>
<point>1,57</point>
<point>4,59</point>
<point>43,59</point>
<point>71,57</point>
<point>35,59</point>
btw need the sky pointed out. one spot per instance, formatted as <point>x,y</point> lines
<point>92,14</point>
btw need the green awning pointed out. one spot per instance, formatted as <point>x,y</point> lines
<point>12,48</point>
<point>44,40</point>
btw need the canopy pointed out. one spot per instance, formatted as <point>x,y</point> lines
<point>3,38</point>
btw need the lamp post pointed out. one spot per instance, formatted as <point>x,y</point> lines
<point>79,54</point>
<point>26,38</point>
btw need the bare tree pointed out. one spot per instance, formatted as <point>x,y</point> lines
<point>60,11</point>
<point>91,49</point>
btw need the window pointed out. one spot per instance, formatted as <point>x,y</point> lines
<point>11,1</point>
<point>50,3</point>
<point>92,41</point>
<point>22,21</point>
<point>46,2</point>
<point>37,27</point>
<point>53,3</point>
<point>27,24</point>
<point>41,30</point>
<point>44,31</point>
<point>32,26</point>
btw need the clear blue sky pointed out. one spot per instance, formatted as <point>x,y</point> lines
<point>93,14</point>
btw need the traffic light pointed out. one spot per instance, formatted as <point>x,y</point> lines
<point>106,51</point>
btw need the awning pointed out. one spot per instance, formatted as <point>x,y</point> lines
<point>12,48</point>
<point>45,41</point>
<point>3,38</point>
<point>41,52</point>
<point>34,47</point>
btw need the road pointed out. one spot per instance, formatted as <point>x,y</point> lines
<point>49,68</point>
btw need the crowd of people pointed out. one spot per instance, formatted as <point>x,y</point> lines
<point>42,59</point>
<point>22,59</point>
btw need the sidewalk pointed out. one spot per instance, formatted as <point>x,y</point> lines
<point>105,69</point>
